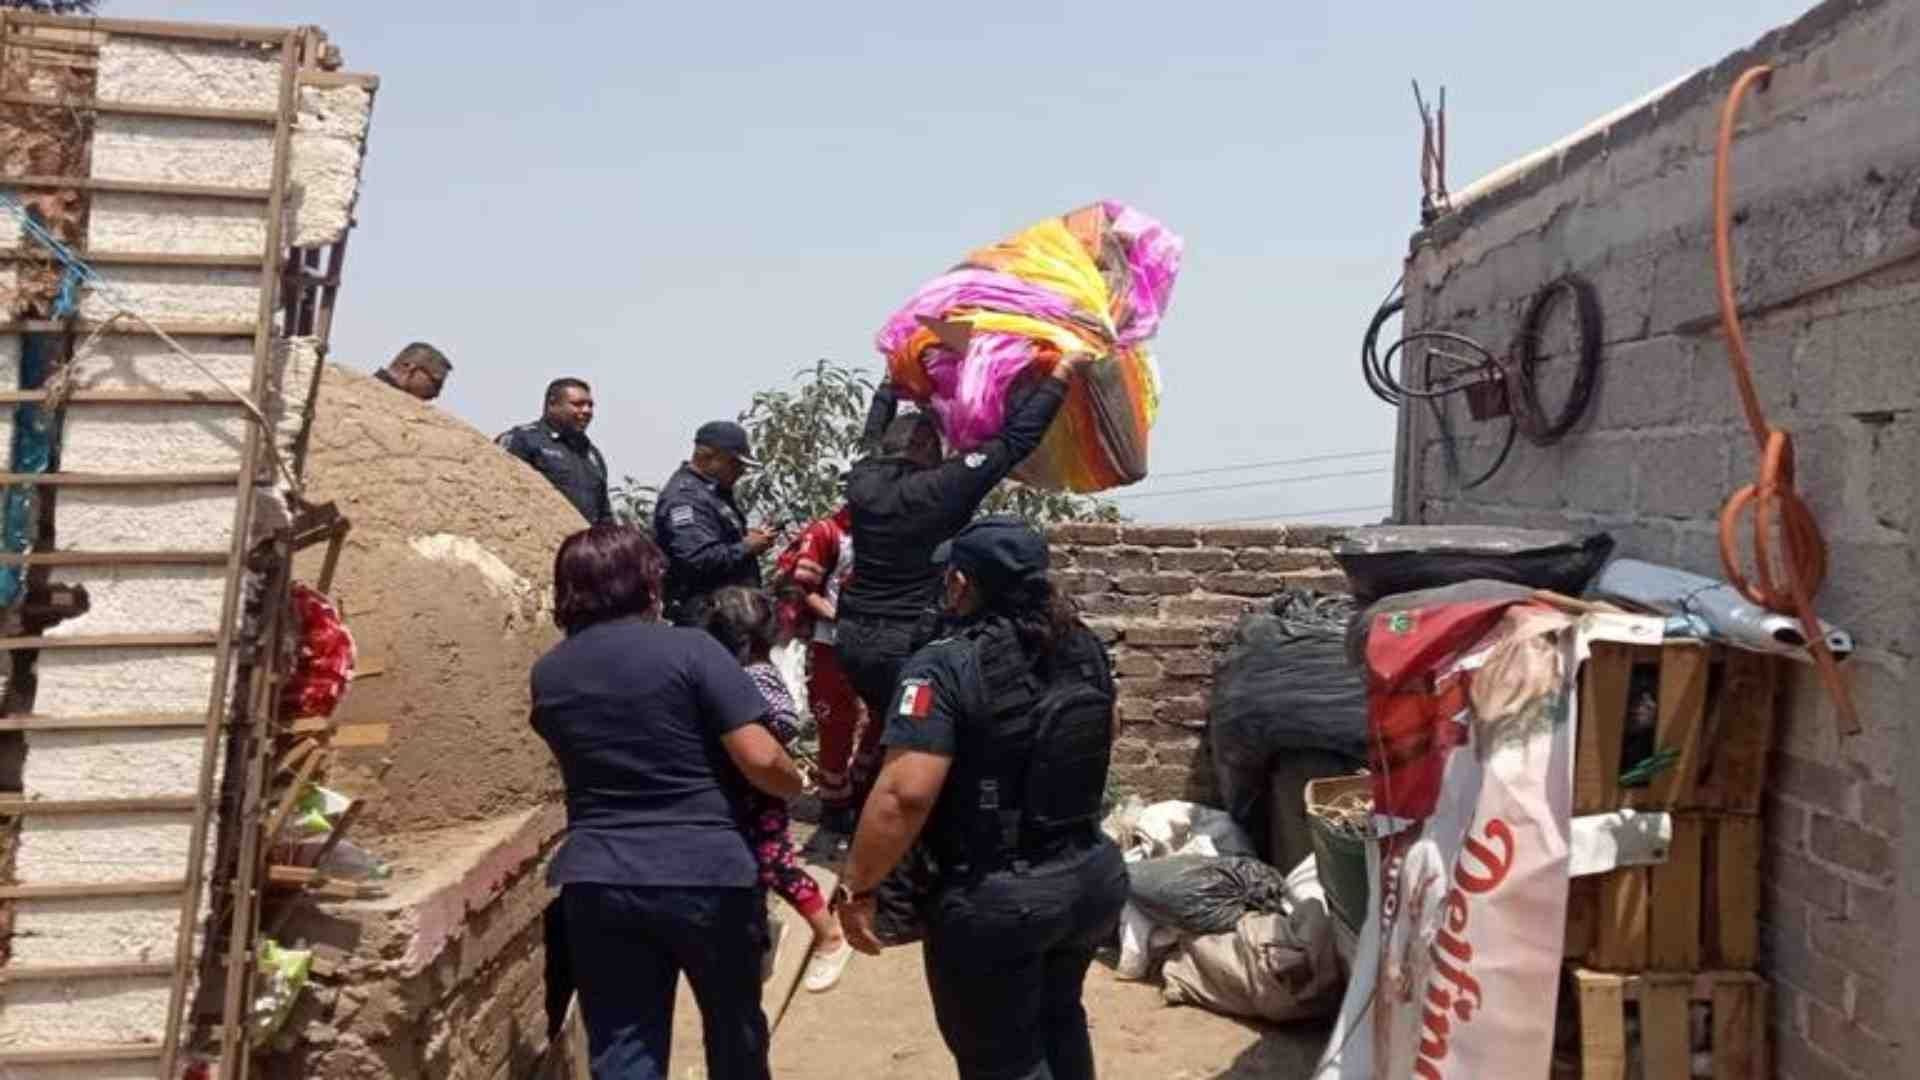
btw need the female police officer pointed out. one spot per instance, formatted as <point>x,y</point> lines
<point>997,746</point>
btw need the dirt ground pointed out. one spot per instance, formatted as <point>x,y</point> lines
<point>878,1025</point>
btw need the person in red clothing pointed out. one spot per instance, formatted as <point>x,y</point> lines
<point>811,573</point>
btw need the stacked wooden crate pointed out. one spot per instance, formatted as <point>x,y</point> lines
<point>1661,959</point>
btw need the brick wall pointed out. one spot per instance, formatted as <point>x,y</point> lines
<point>1166,598</point>
<point>1827,179</point>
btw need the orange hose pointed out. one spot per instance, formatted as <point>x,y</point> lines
<point>1783,584</point>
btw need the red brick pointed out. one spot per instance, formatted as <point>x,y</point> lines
<point>1330,581</point>
<point>1282,560</point>
<point>1115,560</point>
<point>1796,875</point>
<point>1136,665</point>
<point>1315,535</point>
<point>1142,607</point>
<point>1198,559</point>
<point>1169,584</point>
<point>1084,532</point>
<point>1869,1006</point>
<point>1060,558</point>
<point>1081,582</point>
<point>1245,536</point>
<point>1184,711</point>
<point>1205,607</point>
<point>1131,752</point>
<point>1135,710</point>
<point>1187,665</point>
<point>1171,738</point>
<point>1811,782</point>
<point>1860,949</point>
<point>1160,535</point>
<point>1152,635</point>
<point>1245,583</point>
<point>1880,809</point>
<point>1869,906</point>
<point>1107,630</point>
<point>1843,843</point>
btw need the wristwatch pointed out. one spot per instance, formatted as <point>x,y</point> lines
<point>843,897</point>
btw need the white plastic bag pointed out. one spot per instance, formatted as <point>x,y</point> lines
<point>1179,828</point>
<point>790,660</point>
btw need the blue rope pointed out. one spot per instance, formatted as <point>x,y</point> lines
<point>35,428</point>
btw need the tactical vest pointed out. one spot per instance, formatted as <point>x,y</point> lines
<point>1028,778</point>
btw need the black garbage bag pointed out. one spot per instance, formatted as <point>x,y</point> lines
<point>1204,894</point>
<point>1284,685</point>
<point>1383,560</point>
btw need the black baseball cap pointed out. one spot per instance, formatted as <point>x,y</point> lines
<point>999,551</point>
<point>728,437</point>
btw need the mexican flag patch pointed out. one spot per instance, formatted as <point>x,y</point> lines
<point>916,699</point>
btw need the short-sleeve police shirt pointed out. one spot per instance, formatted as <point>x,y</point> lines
<point>633,711</point>
<point>939,690</point>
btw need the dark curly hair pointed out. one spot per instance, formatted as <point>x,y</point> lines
<point>605,572</point>
<point>743,620</point>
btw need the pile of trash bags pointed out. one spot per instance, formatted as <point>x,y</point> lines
<point>1096,280</point>
<point>1228,932</point>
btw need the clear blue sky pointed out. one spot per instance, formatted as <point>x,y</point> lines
<point>683,203</point>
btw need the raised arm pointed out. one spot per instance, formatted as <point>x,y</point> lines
<point>880,413</point>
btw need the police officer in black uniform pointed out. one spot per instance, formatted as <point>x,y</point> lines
<point>698,525</point>
<point>556,446</point>
<point>905,503</point>
<point>998,741</point>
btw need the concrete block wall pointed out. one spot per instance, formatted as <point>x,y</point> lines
<point>1826,175</point>
<point>1165,598</point>
<point>325,155</point>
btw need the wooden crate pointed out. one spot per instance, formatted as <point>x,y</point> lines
<point>1699,910</point>
<point>1661,1007</point>
<point>1717,709</point>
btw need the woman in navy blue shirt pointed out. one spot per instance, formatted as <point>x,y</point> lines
<point>653,727</point>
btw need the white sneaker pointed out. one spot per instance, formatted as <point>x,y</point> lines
<point>825,968</point>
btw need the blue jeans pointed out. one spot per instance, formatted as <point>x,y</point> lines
<point>628,946</point>
<point>1007,956</point>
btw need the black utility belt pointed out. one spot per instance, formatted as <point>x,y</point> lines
<point>1028,854</point>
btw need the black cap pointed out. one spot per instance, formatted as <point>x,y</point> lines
<point>728,437</point>
<point>998,552</point>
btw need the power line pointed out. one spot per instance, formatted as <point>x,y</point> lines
<point>1248,484</point>
<point>1249,466</point>
<point>1291,516</point>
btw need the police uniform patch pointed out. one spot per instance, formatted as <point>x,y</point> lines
<point>916,699</point>
<point>976,459</point>
<point>681,515</point>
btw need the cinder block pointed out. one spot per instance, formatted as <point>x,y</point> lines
<point>48,1014</point>
<point>177,226</point>
<point>175,292</point>
<point>96,930</point>
<point>97,682</point>
<point>1861,362</point>
<point>1684,476</point>
<point>158,71</point>
<point>145,519</point>
<point>170,151</point>
<point>329,142</point>
<point>112,764</point>
<point>1645,384</point>
<point>144,439</point>
<point>103,848</point>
